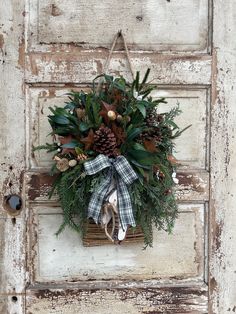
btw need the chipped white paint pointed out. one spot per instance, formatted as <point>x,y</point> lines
<point>223,160</point>
<point>12,145</point>
<point>152,24</point>
<point>127,301</point>
<point>72,260</point>
<point>79,66</point>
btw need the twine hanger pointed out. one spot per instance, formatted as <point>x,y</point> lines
<point>107,63</point>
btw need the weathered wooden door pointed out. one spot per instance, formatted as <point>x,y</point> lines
<point>50,47</point>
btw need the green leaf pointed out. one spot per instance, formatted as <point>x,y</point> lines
<point>134,133</point>
<point>142,109</point>
<point>59,119</point>
<point>178,133</point>
<point>72,144</point>
<point>139,164</point>
<point>137,81</point>
<point>79,150</point>
<point>83,126</point>
<point>138,146</point>
<point>144,79</point>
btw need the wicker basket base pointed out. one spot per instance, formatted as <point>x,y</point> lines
<point>95,236</point>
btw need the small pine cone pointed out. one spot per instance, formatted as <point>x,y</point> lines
<point>153,118</point>
<point>153,134</point>
<point>105,141</point>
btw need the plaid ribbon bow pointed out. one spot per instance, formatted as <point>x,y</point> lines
<point>123,174</point>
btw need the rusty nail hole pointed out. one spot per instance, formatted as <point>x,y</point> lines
<point>139,18</point>
<point>13,220</point>
<point>14,299</point>
<point>10,184</point>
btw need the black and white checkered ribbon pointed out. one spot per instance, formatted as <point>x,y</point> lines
<point>119,171</point>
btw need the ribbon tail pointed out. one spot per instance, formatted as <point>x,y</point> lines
<point>97,199</point>
<point>124,205</point>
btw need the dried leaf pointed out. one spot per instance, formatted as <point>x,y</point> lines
<point>66,140</point>
<point>172,160</point>
<point>89,140</point>
<point>119,133</point>
<point>150,146</point>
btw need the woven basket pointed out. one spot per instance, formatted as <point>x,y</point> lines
<point>95,235</point>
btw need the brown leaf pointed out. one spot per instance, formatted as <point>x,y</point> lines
<point>150,146</point>
<point>119,133</point>
<point>89,140</point>
<point>65,140</point>
<point>172,160</point>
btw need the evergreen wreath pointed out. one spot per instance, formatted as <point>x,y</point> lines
<point>114,158</point>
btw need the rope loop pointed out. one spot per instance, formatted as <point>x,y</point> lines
<point>119,34</point>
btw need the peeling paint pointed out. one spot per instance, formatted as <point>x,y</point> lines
<point>1,41</point>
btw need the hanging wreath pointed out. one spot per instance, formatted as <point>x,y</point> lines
<point>114,158</point>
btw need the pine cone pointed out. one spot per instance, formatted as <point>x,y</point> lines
<point>105,141</point>
<point>153,118</point>
<point>154,134</point>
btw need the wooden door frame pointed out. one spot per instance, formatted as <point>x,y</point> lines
<point>222,180</point>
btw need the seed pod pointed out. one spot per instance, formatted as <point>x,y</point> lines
<point>63,164</point>
<point>80,113</point>
<point>72,163</point>
<point>111,115</point>
<point>81,157</point>
<point>119,118</point>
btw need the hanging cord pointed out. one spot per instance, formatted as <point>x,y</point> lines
<point>107,63</point>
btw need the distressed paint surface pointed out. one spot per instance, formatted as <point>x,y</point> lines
<point>223,161</point>
<point>12,163</point>
<point>193,186</point>
<point>145,23</point>
<point>75,262</point>
<point>128,301</point>
<point>68,63</point>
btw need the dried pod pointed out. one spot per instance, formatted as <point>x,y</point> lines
<point>63,164</point>
<point>82,157</point>
<point>119,118</point>
<point>111,115</point>
<point>56,158</point>
<point>80,113</point>
<point>72,163</point>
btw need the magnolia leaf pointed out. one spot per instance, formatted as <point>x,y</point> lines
<point>150,146</point>
<point>83,126</point>
<point>133,133</point>
<point>142,109</point>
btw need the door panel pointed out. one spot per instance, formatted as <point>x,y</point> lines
<point>149,24</point>
<point>75,262</point>
<point>125,300</point>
